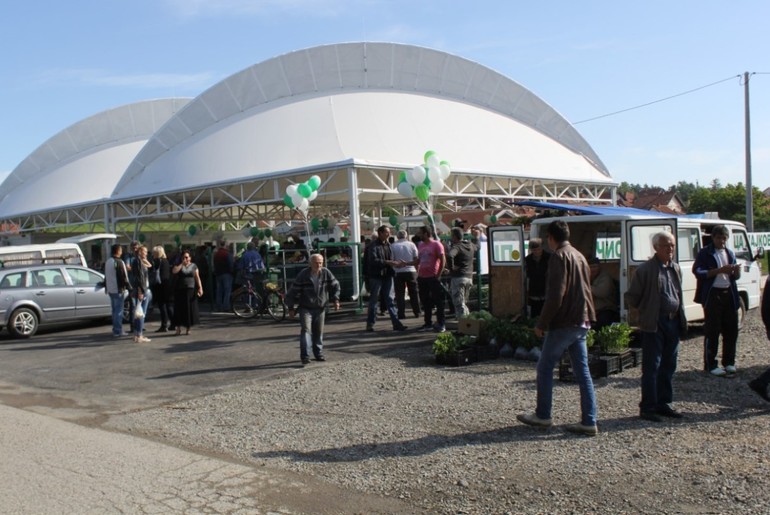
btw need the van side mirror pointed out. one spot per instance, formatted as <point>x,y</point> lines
<point>760,253</point>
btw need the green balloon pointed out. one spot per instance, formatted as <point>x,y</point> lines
<point>493,219</point>
<point>422,192</point>
<point>268,233</point>
<point>426,182</point>
<point>402,177</point>
<point>393,219</point>
<point>142,237</point>
<point>444,163</point>
<point>314,182</point>
<point>325,223</point>
<point>177,239</point>
<point>287,200</point>
<point>192,230</point>
<point>427,155</point>
<point>304,190</point>
<point>315,223</point>
<point>253,231</point>
<point>260,234</point>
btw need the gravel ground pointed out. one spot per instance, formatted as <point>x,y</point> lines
<point>445,440</point>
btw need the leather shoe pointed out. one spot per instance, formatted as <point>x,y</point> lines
<point>401,327</point>
<point>320,358</point>
<point>305,361</point>
<point>369,329</point>
<point>668,411</point>
<point>161,330</point>
<point>759,389</point>
<point>651,416</point>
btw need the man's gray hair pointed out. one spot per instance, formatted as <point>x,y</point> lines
<point>661,235</point>
<point>401,234</point>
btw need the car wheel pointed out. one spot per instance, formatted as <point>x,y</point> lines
<point>23,323</point>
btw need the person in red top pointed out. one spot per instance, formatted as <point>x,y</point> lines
<point>430,263</point>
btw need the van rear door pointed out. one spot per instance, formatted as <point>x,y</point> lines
<point>506,270</point>
<point>636,242</point>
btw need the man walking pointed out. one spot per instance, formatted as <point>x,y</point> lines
<point>656,291</point>
<point>565,319</point>
<point>717,270</point>
<point>380,265</point>
<point>116,284</point>
<point>313,289</point>
<point>405,251</point>
<point>431,262</point>
<point>760,384</point>
<point>460,261</point>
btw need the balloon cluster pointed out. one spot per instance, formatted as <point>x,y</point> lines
<point>299,196</point>
<point>426,179</point>
<point>255,232</point>
<point>490,219</point>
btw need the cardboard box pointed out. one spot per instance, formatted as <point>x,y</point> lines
<point>473,327</point>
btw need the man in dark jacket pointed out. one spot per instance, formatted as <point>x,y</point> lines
<point>536,266</point>
<point>567,314</point>
<point>313,289</point>
<point>460,261</point>
<point>717,270</point>
<point>656,291</point>
<point>380,265</point>
<point>761,383</point>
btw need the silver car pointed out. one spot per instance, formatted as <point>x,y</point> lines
<point>32,296</point>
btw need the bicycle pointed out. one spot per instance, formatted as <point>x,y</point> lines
<point>247,302</point>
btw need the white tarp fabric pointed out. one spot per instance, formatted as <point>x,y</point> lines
<point>377,103</point>
<point>83,163</point>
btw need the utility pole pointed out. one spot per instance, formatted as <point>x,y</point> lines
<point>749,188</point>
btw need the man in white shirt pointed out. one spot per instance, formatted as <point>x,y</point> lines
<point>406,276</point>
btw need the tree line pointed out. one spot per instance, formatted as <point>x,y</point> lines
<point>729,201</point>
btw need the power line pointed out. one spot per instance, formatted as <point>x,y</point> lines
<point>657,101</point>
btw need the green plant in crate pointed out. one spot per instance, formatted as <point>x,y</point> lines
<point>590,338</point>
<point>614,338</point>
<point>445,343</point>
<point>481,315</point>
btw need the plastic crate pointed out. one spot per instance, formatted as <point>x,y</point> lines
<point>461,358</point>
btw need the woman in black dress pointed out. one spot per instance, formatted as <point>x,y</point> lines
<point>188,289</point>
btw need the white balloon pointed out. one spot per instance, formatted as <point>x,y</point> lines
<point>313,196</point>
<point>332,222</point>
<point>416,176</point>
<point>434,174</point>
<point>436,186</point>
<point>291,190</point>
<point>405,189</point>
<point>445,171</point>
<point>246,232</point>
<point>433,161</point>
<point>302,205</point>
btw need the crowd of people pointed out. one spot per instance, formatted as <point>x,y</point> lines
<point>567,294</point>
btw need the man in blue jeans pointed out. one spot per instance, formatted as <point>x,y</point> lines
<point>567,313</point>
<point>381,272</point>
<point>656,291</point>
<point>116,284</point>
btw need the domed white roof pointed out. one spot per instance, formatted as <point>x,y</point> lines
<point>381,104</point>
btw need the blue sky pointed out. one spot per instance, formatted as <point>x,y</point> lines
<point>66,60</point>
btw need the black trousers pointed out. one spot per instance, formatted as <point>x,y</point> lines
<point>431,294</point>
<point>407,281</point>
<point>721,318</point>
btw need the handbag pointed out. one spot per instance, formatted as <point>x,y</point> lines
<point>139,311</point>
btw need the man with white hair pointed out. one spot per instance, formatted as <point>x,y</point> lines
<point>405,250</point>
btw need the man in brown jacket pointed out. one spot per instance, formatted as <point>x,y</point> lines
<point>566,316</point>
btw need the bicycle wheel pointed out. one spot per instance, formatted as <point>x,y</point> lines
<point>275,306</point>
<point>245,304</point>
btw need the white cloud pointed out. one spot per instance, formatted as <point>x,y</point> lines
<point>98,77</point>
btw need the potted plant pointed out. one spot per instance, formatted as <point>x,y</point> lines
<point>451,351</point>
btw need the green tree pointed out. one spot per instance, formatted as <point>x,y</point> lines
<point>730,202</point>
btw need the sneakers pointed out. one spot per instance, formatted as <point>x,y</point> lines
<point>369,328</point>
<point>439,328</point>
<point>305,361</point>
<point>400,327</point>
<point>718,372</point>
<point>533,420</point>
<point>141,339</point>
<point>582,429</point>
<point>121,335</point>
<point>759,389</point>
<point>426,327</point>
<point>730,369</point>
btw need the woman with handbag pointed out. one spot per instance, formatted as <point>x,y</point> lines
<point>140,290</point>
<point>162,292</point>
<point>188,289</point>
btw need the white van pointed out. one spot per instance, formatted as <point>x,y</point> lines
<point>621,238</point>
<point>65,251</point>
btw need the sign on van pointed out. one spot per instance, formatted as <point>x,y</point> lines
<point>759,239</point>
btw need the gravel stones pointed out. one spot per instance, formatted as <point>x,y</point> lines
<point>446,440</point>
